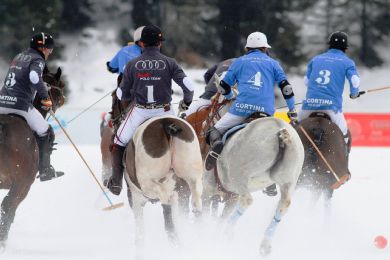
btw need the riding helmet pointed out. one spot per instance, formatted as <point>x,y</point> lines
<point>338,40</point>
<point>151,35</point>
<point>42,39</point>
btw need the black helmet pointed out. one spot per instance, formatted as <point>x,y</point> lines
<point>42,40</point>
<point>338,40</point>
<point>151,35</point>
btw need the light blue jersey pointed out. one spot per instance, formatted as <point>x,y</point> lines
<point>255,74</point>
<point>123,56</point>
<point>326,75</point>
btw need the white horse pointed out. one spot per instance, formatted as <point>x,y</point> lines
<point>162,148</point>
<point>268,150</point>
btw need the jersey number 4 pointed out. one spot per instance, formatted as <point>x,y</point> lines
<point>256,79</point>
<point>324,77</point>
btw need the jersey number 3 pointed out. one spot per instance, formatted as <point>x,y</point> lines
<point>324,77</point>
<point>10,81</point>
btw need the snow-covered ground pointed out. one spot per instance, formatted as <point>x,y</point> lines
<point>63,218</point>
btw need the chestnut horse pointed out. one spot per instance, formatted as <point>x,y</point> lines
<point>316,174</point>
<point>213,193</point>
<point>19,156</point>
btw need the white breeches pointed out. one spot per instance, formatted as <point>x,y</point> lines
<point>135,118</point>
<point>337,118</point>
<point>197,105</point>
<point>228,121</point>
<point>34,119</point>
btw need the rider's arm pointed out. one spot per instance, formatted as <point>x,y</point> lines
<point>126,84</point>
<point>183,81</point>
<point>285,86</point>
<point>353,78</point>
<point>113,65</point>
<point>308,72</point>
<point>35,75</point>
<point>209,74</point>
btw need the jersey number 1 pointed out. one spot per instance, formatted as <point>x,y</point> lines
<point>150,95</point>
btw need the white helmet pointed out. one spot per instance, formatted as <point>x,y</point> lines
<point>257,40</point>
<point>137,34</point>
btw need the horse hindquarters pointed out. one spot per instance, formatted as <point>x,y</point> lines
<point>187,164</point>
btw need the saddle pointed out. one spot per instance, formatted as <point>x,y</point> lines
<point>249,119</point>
<point>320,114</point>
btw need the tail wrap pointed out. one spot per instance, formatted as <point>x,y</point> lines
<point>172,129</point>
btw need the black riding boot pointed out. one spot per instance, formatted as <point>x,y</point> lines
<point>45,146</point>
<point>214,139</point>
<point>115,182</point>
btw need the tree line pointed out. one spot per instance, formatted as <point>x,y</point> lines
<point>211,29</point>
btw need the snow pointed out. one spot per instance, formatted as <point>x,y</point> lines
<point>63,218</point>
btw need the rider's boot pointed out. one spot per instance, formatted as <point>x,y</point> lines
<point>45,146</point>
<point>271,190</point>
<point>115,182</point>
<point>214,138</point>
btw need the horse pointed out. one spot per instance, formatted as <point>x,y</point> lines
<point>329,140</point>
<point>162,149</point>
<point>19,157</point>
<point>267,150</point>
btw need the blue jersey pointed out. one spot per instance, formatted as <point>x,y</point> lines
<point>255,74</point>
<point>123,56</point>
<point>326,75</point>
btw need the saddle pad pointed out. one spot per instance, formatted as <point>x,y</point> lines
<point>232,131</point>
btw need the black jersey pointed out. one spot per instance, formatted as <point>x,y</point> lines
<point>147,79</point>
<point>18,92</point>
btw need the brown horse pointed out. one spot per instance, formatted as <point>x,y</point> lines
<point>19,156</point>
<point>316,174</point>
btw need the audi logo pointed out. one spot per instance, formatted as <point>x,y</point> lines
<point>150,65</point>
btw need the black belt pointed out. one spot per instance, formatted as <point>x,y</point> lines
<point>154,106</point>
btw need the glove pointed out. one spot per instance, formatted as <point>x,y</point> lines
<point>110,69</point>
<point>46,104</point>
<point>229,96</point>
<point>355,96</point>
<point>293,115</point>
<point>183,106</point>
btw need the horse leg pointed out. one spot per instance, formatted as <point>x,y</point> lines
<point>184,193</point>
<point>137,202</point>
<point>284,202</point>
<point>196,187</point>
<point>230,202</point>
<point>244,201</point>
<point>215,200</point>
<point>10,203</point>
<point>169,223</point>
<point>328,193</point>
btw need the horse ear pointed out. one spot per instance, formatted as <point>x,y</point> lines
<point>58,74</point>
<point>46,70</point>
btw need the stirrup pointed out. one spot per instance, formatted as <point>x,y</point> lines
<point>211,160</point>
<point>114,188</point>
<point>49,173</point>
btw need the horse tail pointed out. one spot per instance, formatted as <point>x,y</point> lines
<point>284,139</point>
<point>2,133</point>
<point>172,129</point>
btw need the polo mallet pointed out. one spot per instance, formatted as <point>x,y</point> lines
<point>340,181</point>
<point>112,206</point>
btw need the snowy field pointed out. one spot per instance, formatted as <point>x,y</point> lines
<point>63,219</point>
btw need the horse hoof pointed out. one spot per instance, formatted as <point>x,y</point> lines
<point>173,239</point>
<point>265,248</point>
